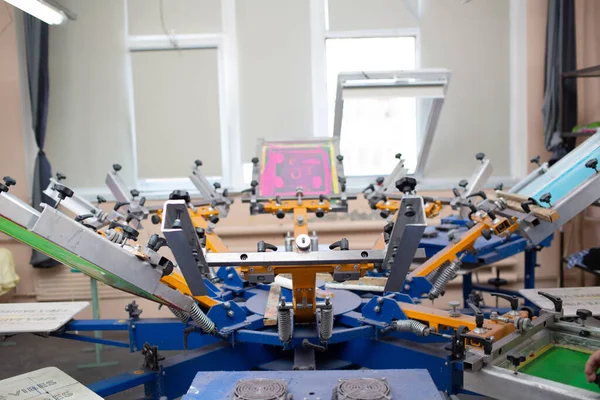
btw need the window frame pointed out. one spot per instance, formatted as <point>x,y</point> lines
<point>320,33</point>
<point>226,45</point>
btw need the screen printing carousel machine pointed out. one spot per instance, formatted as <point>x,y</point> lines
<point>264,324</point>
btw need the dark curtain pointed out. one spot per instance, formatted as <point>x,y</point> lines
<point>560,57</point>
<point>36,49</point>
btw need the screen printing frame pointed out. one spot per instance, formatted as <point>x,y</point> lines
<point>425,83</point>
<point>337,166</point>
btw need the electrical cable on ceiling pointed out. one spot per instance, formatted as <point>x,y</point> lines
<point>162,23</point>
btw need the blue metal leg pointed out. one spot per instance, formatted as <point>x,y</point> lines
<point>530,265</point>
<point>467,287</point>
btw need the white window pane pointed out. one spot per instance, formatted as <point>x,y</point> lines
<point>176,97</point>
<point>178,17</point>
<point>373,129</point>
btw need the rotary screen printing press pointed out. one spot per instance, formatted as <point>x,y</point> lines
<point>234,319</point>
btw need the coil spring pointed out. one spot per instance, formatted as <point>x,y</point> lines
<point>202,320</point>
<point>284,324</point>
<point>435,274</point>
<point>182,316</point>
<point>326,327</point>
<point>101,216</point>
<point>115,236</point>
<point>410,325</point>
<point>446,276</point>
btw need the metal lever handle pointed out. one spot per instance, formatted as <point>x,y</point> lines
<point>513,300</point>
<point>479,317</point>
<point>557,301</point>
<point>481,194</point>
<point>263,246</point>
<point>343,244</point>
<point>120,204</point>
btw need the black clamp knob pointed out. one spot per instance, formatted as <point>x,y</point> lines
<point>100,199</point>
<point>556,301</point>
<point>406,184</point>
<point>213,219</point>
<point>225,193</point>
<point>516,359</point>
<point>455,192</point>
<point>481,194</point>
<point>342,182</point>
<point>343,244</point>
<point>130,232</point>
<point>280,214</point>
<point>180,195</point>
<point>198,163</point>
<point>499,186</point>
<point>525,205</point>
<point>278,200</point>
<point>545,198</point>
<point>3,187</point>
<point>320,213</point>
<point>252,189</point>
<point>120,204</point>
<point>217,185</point>
<point>479,317</point>
<point>487,234</point>
<point>60,177</point>
<point>340,158</point>
<point>263,246</point>
<point>491,214</point>
<point>322,198</point>
<point>480,156</point>
<point>463,183</point>
<point>82,217</point>
<point>369,188</point>
<point>155,219</point>
<point>592,164</point>
<point>529,310</point>
<point>63,191</point>
<point>513,300</point>
<point>155,242</point>
<point>379,180</point>
<point>9,181</point>
<point>497,282</point>
<point>398,156</point>
<point>134,193</point>
<point>142,201</point>
<point>201,233</point>
<point>384,214</point>
<point>117,167</point>
<point>535,160</point>
<point>583,314</point>
<point>388,227</point>
<point>254,160</point>
<point>469,224</point>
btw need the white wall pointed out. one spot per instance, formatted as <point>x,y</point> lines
<point>472,40</point>
<point>275,71</point>
<point>88,118</point>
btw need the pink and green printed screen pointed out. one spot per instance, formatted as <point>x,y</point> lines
<point>286,166</point>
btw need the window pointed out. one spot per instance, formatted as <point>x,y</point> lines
<point>389,123</point>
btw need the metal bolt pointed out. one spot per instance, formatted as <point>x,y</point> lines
<point>300,220</point>
<point>356,267</point>
<point>227,305</point>
<point>251,269</point>
<point>377,309</point>
<point>227,269</point>
<point>269,269</point>
<point>454,313</point>
<point>407,287</point>
<point>409,280</point>
<point>230,276</point>
<point>230,313</point>
<point>338,267</point>
<point>380,300</point>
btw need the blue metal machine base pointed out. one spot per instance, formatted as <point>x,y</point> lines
<point>310,385</point>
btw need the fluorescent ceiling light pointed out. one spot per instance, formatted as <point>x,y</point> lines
<point>41,10</point>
